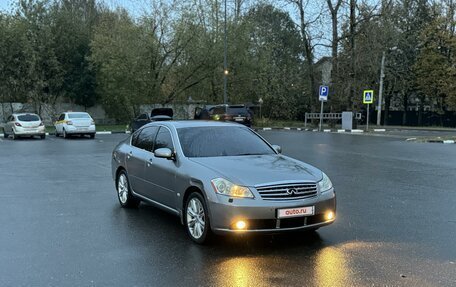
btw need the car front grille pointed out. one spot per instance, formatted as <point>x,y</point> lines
<point>259,224</point>
<point>287,191</point>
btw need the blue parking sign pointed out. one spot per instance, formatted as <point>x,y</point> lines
<point>323,93</point>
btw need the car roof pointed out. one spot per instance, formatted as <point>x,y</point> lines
<point>23,114</point>
<point>194,124</point>
<point>75,113</point>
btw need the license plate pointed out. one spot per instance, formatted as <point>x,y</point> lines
<point>238,119</point>
<point>295,212</point>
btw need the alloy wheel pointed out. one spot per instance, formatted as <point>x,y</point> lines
<point>196,219</point>
<point>122,188</point>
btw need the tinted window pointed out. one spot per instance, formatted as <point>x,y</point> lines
<point>79,116</point>
<point>221,141</point>
<point>144,139</point>
<point>28,118</point>
<point>62,117</point>
<point>164,139</point>
<point>238,111</point>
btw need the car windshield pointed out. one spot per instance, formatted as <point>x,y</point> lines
<point>79,116</point>
<point>28,118</point>
<point>221,141</point>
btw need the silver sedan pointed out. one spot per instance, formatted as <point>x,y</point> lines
<point>220,178</point>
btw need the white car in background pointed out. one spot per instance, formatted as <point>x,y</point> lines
<point>24,124</point>
<point>75,123</point>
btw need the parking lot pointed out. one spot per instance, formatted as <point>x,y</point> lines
<point>62,224</point>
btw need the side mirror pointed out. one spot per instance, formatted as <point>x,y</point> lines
<point>277,148</point>
<point>164,153</point>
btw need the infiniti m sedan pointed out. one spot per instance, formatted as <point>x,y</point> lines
<point>220,178</point>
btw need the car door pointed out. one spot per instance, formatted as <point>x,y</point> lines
<point>160,173</point>
<point>138,154</point>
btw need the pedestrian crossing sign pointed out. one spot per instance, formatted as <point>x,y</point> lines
<point>368,97</point>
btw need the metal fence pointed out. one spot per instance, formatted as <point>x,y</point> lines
<point>328,116</point>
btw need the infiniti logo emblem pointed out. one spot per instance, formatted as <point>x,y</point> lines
<point>291,191</point>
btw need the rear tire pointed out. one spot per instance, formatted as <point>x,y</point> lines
<point>92,136</point>
<point>43,137</point>
<point>15,137</point>
<point>124,195</point>
<point>5,135</point>
<point>56,133</point>
<point>65,135</point>
<point>196,219</point>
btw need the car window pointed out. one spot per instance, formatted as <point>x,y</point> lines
<point>164,139</point>
<point>221,141</point>
<point>28,118</point>
<point>142,117</point>
<point>78,116</point>
<point>62,117</point>
<point>11,118</point>
<point>144,138</point>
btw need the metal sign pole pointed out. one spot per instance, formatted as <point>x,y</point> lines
<point>367,120</point>
<point>321,115</point>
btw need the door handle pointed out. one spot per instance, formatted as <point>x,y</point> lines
<point>129,154</point>
<point>149,162</point>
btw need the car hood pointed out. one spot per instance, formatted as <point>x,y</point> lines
<point>260,169</point>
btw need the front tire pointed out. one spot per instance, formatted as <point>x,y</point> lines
<point>126,198</point>
<point>197,220</point>
<point>43,137</point>
<point>92,136</point>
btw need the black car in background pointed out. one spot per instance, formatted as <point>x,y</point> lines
<point>228,113</point>
<point>157,114</point>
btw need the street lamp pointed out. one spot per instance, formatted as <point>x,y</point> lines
<point>260,101</point>
<point>225,65</point>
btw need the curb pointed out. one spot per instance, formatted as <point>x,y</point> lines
<point>441,141</point>
<point>358,131</point>
<point>101,133</point>
<point>432,141</point>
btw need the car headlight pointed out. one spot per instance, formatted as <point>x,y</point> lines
<point>225,187</point>
<point>325,184</point>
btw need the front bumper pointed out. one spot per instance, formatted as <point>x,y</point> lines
<point>261,215</point>
<point>70,129</point>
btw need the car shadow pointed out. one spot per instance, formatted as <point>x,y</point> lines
<point>147,219</point>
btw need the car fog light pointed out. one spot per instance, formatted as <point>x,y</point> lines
<point>240,225</point>
<point>329,215</point>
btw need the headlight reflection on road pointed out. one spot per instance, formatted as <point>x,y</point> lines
<point>241,272</point>
<point>331,268</point>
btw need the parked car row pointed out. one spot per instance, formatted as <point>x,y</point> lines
<point>31,125</point>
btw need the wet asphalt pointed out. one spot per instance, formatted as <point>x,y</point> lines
<point>61,224</point>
